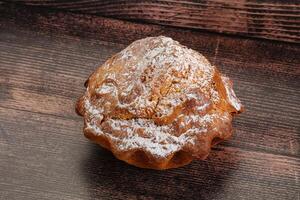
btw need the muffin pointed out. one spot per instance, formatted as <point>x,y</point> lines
<point>158,104</point>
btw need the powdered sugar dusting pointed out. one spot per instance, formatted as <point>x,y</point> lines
<point>154,139</point>
<point>144,133</point>
<point>161,61</point>
<point>106,89</point>
<point>153,79</point>
<point>233,100</point>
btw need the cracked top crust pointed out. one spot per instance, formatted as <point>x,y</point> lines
<point>158,104</point>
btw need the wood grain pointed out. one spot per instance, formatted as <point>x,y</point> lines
<point>68,163</point>
<point>45,57</point>
<point>270,19</point>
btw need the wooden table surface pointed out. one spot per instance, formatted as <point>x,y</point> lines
<point>45,57</point>
<point>271,19</point>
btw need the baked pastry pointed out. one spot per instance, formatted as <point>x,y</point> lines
<point>158,104</point>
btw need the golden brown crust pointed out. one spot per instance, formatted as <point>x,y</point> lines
<point>158,105</point>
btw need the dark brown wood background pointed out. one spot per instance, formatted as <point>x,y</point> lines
<point>45,57</point>
<point>270,19</point>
